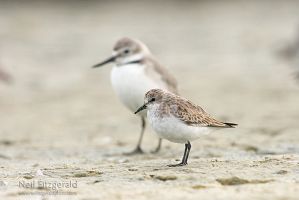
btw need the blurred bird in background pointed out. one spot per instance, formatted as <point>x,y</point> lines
<point>135,72</point>
<point>290,53</point>
<point>5,77</point>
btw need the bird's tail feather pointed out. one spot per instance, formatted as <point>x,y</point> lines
<point>230,125</point>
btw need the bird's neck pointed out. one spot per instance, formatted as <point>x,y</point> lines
<point>133,59</point>
<point>133,62</point>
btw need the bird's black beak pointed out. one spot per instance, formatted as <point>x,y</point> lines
<point>141,108</point>
<point>108,60</point>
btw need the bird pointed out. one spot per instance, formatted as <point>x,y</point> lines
<point>5,77</point>
<point>136,71</point>
<point>178,120</point>
<point>290,53</point>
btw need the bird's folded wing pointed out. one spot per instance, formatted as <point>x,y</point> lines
<point>193,115</point>
<point>161,75</point>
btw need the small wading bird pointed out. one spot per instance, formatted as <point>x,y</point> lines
<point>290,53</point>
<point>135,72</point>
<point>5,77</point>
<point>178,120</point>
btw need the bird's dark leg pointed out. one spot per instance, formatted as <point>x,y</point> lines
<point>158,147</point>
<point>185,156</point>
<point>138,149</point>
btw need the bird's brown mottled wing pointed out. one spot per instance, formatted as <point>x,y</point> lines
<point>192,114</point>
<point>160,74</point>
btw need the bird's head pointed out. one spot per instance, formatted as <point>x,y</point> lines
<point>152,97</point>
<point>126,51</point>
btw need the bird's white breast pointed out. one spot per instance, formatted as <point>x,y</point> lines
<point>130,83</point>
<point>173,129</point>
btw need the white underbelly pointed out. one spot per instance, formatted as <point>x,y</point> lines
<point>174,130</point>
<point>130,84</point>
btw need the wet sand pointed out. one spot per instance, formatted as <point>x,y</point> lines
<point>62,124</point>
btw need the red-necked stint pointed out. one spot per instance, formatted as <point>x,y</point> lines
<point>178,120</point>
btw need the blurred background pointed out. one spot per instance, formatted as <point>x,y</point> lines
<point>231,57</point>
<point>225,56</point>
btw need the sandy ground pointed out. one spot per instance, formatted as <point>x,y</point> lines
<point>62,124</point>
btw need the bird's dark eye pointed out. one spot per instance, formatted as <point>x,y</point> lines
<point>153,99</point>
<point>126,51</point>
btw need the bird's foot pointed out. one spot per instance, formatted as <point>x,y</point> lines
<point>156,150</point>
<point>136,151</point>
<point>178,165</point>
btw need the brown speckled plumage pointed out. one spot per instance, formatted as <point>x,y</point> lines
<point>184,110</point>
